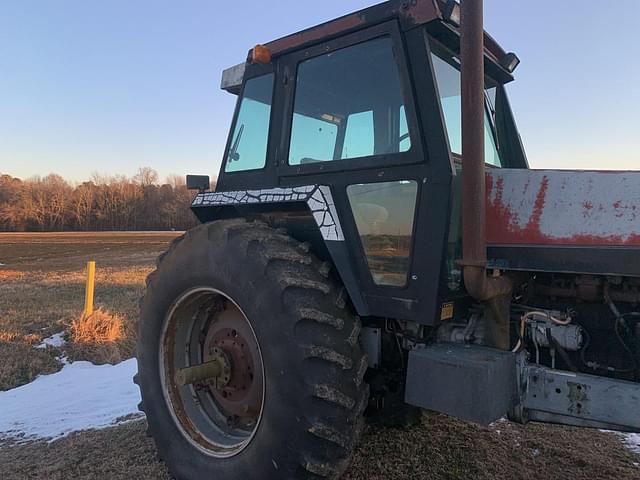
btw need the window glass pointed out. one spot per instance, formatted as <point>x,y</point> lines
<point>448,78</point>
<point>348,105</point>
<point>491,155</point>
<point>248,149</point>
<point>491,95</point>
<point>405,141</point>
<point>318,139</point>
<point>384,217</point>
<point>358,139</point>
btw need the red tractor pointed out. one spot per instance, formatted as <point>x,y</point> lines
<point>376,244</point>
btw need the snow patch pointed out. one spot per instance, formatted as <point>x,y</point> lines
<point>78,397</point>
<point>632,441</point>
<point>55,340</point>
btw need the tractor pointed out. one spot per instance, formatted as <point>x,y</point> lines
<point>377,244</point>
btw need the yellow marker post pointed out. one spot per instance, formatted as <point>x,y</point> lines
<point>88,296</point>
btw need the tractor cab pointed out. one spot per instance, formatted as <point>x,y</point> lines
<point>367,108</point>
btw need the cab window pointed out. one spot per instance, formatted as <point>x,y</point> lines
<point>248,142</point>
<point>384,215</point>
<point>348,104</point>
<point>447,72</point>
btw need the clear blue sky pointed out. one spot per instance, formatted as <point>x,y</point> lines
<point>108,86</point>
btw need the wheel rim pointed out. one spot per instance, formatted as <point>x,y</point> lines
<point>220,419</point>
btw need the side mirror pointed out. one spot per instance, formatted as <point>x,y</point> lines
<point>198,182</point>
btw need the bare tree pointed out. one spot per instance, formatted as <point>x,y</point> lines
<point>146,176</point>
<point>104,203</point>
<point>176,181</point>
<point>56,201</point>
<point>83,205</point>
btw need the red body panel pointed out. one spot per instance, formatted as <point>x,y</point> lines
<point>560,207</point>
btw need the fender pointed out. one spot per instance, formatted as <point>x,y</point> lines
<point>314,200</point>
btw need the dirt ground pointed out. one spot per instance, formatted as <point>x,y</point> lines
<point>439,448</point>
<point>41,293</point>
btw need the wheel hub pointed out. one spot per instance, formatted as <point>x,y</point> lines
<point>236,396</point>
<point>213,373</point>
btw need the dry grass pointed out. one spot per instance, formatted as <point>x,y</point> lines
<point>9,336</point>
<point>445,448</point>
<point>99,327</point>
<point>439,449</point>
<point>42,293</point>
<point>99,338</point>
<point>20,363</point>
<point>68,252</point>
<point>118,453</point>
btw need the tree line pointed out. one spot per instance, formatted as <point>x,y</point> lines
<point>114,202</point>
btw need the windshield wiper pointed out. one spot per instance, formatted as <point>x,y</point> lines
<point>234,156</point>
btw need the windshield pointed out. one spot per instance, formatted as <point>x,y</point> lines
<point>340,113</point>
<point>447,72</point>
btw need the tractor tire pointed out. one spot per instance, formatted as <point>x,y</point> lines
<point>294,348</point>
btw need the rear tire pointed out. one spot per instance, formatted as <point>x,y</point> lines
<point>314,393</point>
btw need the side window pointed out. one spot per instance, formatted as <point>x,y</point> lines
<point>248,147</point>
<point>448,79</point>
<point>348,104</point>
<point>384,215</point>
<point>405,141</point>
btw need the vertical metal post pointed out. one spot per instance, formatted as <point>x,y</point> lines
<point>494,291</point>
<point>473,176</point>
<point>88,294</point>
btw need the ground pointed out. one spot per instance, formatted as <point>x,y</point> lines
<point>41,293</point>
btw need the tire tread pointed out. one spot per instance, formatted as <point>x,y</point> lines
<point>328,344</point>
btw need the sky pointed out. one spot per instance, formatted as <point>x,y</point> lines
<point>89,86</point>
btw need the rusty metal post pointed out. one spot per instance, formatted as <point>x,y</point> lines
<point>472,88</point>
<point>495,291</point>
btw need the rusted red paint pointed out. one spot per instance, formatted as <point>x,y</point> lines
<point>418,12</point>
<point>314,34</point>
<point>413,12</point>
<point>563,208</point>
<point>410,12</point>
<point>538,209</point>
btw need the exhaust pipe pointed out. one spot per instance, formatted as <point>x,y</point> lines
<point>495,291</point>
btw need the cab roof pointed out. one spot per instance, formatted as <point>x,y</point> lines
<point>441,14</point>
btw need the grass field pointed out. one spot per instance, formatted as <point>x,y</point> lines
<point>41,293</point>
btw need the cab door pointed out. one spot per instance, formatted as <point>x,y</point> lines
<point>350,121</point>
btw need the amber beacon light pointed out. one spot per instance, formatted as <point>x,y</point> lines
<point>260,54</point>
